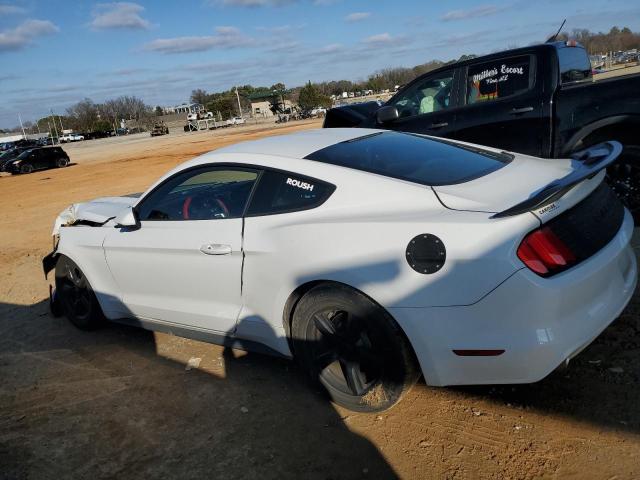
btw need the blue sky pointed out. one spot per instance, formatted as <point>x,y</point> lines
<point>54,53</point>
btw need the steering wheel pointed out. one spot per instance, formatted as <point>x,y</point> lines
<point>203,207</point>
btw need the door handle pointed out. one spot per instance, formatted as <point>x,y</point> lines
<point>517,111</point>
<point>439,125</point>
<point>216,249</point>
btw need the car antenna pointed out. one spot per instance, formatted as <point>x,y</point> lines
<point>553,38</point>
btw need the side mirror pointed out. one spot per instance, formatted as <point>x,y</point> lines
<point>127,219</point>
<point>387,114</point>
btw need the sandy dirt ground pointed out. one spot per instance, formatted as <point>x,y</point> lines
<point>123,403</point>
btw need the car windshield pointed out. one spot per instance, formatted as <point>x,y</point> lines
<point>25,154</point>
<point>414,158</point>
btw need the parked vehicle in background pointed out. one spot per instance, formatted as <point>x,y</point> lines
<point>238,121</point>
<point>539,100</point>
<point>318,111</point>
<point>159,128</point>
<point>96,135</point>
<point>70,137</point>
<point>8,156</point>
<point>192,116</point>
<point>39,158</point>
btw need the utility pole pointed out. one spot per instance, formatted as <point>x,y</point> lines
<point>53,119</point>
<point>239,107</point>
<point>50,131</point>
<point>24,135</point>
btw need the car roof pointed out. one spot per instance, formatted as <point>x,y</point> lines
<point>300,144</point>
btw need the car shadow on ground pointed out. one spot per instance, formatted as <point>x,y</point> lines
<point>124,402</point>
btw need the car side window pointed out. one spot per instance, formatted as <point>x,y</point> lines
<point>281,192</point>
<point>498,79</point>
<point>200,194</point>
<point>431,94</point>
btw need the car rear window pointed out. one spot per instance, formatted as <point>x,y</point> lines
<point>414,158</point>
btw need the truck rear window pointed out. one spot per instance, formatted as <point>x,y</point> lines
<point>574,64</point>
<point>414,158</point>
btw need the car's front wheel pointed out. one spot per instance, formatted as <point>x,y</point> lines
<point>73,291</point>
<point>353,348</point>
<point>62,162</point>
<point>26,168</point>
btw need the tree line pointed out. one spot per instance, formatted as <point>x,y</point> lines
<point>614,41</point>
<point>87,116</point>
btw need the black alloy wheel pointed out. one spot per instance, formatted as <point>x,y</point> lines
<point>76,296</point>
<point>353,348</point>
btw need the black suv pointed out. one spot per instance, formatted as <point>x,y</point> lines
<point>36,159</point>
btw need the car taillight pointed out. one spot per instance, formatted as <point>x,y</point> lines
<point>544,253</point>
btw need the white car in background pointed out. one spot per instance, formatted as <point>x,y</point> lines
<point>70,137</point>
<point>371,256</point>
<point>238,121</point>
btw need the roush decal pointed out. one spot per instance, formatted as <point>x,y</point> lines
<point>297,183</point>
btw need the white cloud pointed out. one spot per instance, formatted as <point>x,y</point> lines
<point>481,11</point>
<point>357,16</point>
<point>251,3</point>
<point>122,15</point>
<point>225,37</point>
<point>383,40</point>
<point>331,48</point>
<point>11,9</point>
<point>24,34</point>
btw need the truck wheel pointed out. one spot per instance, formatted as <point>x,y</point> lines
<point>62,162</point>
<point>76,296</point>
<point>624,178</point>
<point>353,348</point>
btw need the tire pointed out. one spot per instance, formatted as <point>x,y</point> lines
<point>62,162</point>
<point>78,301</point>
<point>624,178</point>
<point>26,168</point>
<point>353,348</point>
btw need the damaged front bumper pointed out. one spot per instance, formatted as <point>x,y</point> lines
<point>49,262</point>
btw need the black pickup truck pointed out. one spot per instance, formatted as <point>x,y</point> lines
<point>540,100</point>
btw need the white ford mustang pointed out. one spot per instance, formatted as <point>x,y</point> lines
<point>372,256</point>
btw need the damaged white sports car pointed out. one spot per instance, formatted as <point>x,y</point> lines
<point>371,256</point>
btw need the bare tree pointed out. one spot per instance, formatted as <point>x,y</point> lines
<point>84,114</point>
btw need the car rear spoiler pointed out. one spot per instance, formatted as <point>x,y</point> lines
<point>589,162</point>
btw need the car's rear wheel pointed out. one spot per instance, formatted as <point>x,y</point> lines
<point>62,162</point>
<point>78,301</point>
<point>26,168</point>
<point>353,348</point>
